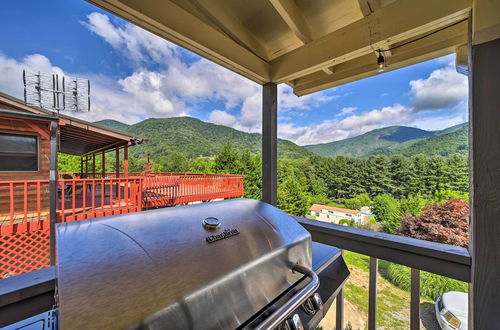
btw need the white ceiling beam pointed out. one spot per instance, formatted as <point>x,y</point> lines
<point>328,70</point>
<point>169,21</point>
<point>293,17</point>
<point>368,7</point>
<point>440,44</point>
<point>396,22</point>
<point>231,26</point>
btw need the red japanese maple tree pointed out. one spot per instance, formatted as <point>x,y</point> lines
<point>443,223</point>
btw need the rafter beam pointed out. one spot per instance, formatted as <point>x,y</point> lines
<point>231,26</point>
<point>43,133</point>
<point>293,17</point>
<point>396,22</point>
<point>440,44</point>
<point>169,21</point>
<point>368,7</point>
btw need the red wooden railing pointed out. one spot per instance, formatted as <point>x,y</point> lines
<point>91,198</point>
<point>24,206</point>
<point>174,189</point>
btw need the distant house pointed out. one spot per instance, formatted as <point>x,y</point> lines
<point>335,214</point>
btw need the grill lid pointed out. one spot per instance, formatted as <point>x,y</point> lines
<point>177,265</point>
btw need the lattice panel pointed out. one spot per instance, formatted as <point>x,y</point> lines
<point>24,253</point>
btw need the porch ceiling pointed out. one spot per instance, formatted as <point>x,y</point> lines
<point>77,140</point>
<point>309,44</point>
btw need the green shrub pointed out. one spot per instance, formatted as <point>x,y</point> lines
<point>348,222</point>
<point>431,285</point>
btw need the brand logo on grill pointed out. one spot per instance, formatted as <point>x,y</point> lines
<point>225,234</point>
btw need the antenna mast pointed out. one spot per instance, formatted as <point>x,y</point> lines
<point>45,91</point>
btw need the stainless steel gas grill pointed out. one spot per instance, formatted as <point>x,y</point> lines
<point>225,265</point>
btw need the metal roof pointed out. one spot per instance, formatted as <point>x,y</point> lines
<point>76,136</point>
<point>309,44</point>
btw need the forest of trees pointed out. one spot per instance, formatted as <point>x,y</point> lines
<point>392,185</point>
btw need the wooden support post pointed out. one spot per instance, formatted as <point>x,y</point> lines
<point>86,166</point>
<point>93,166</point>
<point>53,190</point>
<point>269,143</point>
<point>372,294</point>
<point>125,161</point>
<point>81,167</point>
<point>103,164</point>
<point>485,174</point>
<point>117,163</point>
<point>415,300</point>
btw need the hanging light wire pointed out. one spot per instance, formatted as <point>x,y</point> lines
<point>422,37</point>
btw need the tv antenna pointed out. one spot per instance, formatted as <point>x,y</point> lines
<point>56,93</point>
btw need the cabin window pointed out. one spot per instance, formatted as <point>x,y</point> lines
<point>18,153</point>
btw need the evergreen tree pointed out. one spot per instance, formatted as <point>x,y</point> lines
<point>387,211</point>
<point>250,166</point>
<point>227,160</point>
<point>291,197</point>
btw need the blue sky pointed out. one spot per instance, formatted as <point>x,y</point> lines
<point>135,75</point>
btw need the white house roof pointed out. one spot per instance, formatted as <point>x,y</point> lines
<point>319,208</point>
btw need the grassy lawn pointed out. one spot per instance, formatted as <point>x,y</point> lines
<point>393,303</point>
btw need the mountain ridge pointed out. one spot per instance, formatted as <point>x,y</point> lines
<point>388,140</point>
<point>193,138</point>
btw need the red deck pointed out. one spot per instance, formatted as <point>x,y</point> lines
<point>25,218</point>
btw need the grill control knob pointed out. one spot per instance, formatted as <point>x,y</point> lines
<point>313,304</point>
<point>295,323</point>
<point>317,302</point>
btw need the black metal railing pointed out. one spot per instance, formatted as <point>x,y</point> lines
<point>447,260</point>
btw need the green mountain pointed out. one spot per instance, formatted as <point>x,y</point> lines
<point>113,124</point>
<point>455,140</point>
<point>395,140</point>
<point>373,142</point>
<point>192,137</point>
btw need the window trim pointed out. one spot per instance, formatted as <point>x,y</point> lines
<point>38,148</point>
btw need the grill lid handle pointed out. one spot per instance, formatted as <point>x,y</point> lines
<point>300,297</point>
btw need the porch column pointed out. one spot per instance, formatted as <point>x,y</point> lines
<point>86,166</point>
<point>117,163</point>
<point>81,166</point>
<point>53,190</point>
<point>484,75</point>
<point>125,161</point>
<point>93,166</point>
<point>103,164</point>
<point>269,143</point>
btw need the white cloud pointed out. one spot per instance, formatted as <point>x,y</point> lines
<point>443,89</point>
<point>434,123</point>
<point>132,41</point>
<point>174,84</point>
<point>346,111</point>
<point>334,130</point>
<point>11,77</point>
<point>169,90</point>
<point>108,98</point>
<point>222,118</point>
